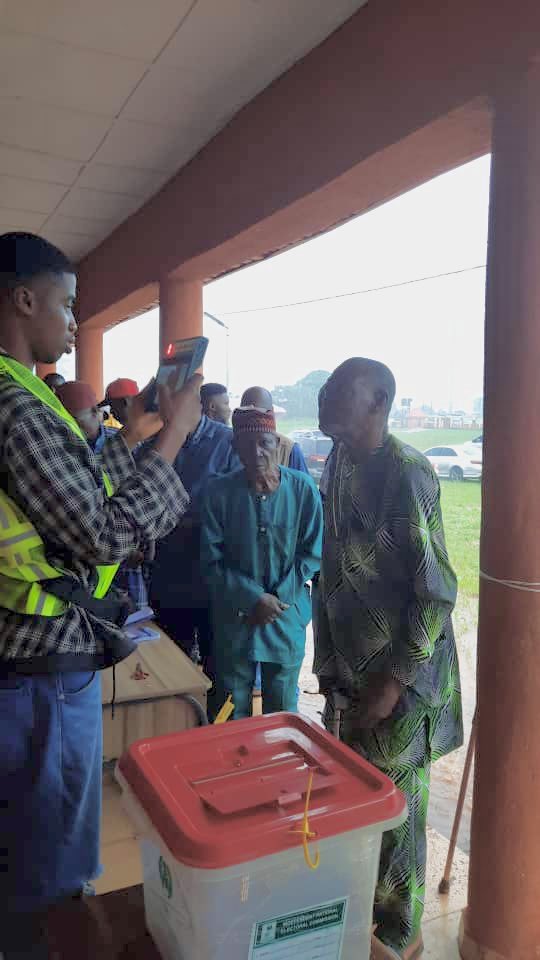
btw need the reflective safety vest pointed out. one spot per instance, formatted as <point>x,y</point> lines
<point>23,562</point>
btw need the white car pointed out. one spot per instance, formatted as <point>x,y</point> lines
<point>456,463</point>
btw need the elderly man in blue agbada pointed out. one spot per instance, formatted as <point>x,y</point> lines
<point>260,545</point>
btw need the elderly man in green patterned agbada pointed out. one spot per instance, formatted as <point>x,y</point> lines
<point>384,636</point>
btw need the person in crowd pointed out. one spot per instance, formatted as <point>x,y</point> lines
<point>119,396</point>
<point>260,545</point>
<point>75,518</point>
<point>177,593</point>
<point>215,402</point>
<point>80,400</point>
<point>53,381</point>
<point>384,636</point>
<point>289,453</point>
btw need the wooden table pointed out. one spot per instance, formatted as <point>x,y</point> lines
<point>112,927</point>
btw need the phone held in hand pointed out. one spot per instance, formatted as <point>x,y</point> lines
<point>182,359</point>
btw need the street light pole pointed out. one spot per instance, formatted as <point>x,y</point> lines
<point>221,323</point>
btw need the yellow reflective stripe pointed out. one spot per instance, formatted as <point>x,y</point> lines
<point>29,572</point>
<point>29,599</point>
<point>106,576</point>
<point>25,540</point>
<point>107,483</point>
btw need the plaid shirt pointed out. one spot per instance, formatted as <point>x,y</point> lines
<point>56,480</point>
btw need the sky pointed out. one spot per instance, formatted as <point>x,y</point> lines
<point>429,333</point>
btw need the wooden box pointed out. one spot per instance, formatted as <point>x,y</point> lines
<point>148,702</point>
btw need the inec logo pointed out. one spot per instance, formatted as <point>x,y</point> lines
<point>165,877</point>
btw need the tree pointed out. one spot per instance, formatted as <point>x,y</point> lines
<point>301,398</point>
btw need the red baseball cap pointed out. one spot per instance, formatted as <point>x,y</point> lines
<point>121,388</point>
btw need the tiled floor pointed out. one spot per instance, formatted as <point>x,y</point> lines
<point>120,858</point>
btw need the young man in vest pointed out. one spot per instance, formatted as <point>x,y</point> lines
<point>64,527</point>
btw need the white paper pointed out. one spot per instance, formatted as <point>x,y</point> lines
<point>315,933</point>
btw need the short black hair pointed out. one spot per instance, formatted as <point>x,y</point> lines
<point>24,256</point>
<point>209,390</point>
<point>54,378</point>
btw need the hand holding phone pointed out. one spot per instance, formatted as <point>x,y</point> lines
<point>183,358</point>
<point>181,414</point>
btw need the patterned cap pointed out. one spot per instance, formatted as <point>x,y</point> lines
<point>253,420</point>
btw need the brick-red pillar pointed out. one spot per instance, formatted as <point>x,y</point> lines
<point>89,357</point>
<point>502,921</point>
<point>180,310</point>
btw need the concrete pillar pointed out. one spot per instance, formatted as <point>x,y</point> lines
<point>42,369</point>
<point>503,917</point>
<point>180,310</point>
<point>89,358</point>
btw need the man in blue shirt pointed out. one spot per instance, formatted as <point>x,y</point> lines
<point>177,593</point>
<point>215,402</point>
<point>260,545</point>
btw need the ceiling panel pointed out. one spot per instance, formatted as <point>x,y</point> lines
<point>19,220</point>
<point>98,205</point>
<point>109,98</point>
<point>32,195</point>
<point>134,183</point>
<point>79,226</point>
<point>130,28</point>
<point>66,76</point>
<point>148,144</point>
<point>51,130</point>
<point>38,166</point>
<point>72,245</point>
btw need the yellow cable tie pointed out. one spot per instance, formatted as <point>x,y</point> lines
<point>306,833</point>
<point>226,710</point>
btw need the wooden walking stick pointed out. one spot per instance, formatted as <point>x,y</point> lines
<point>444,886</point>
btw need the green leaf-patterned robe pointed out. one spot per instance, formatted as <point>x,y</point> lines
<point>386,593</point>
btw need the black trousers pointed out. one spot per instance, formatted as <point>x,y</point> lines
<point>182,625</point>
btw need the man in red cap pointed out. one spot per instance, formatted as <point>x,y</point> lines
<point>81,402</point>
<point>119,397</point>
<point>260,545</point>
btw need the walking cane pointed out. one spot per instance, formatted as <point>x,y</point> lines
<point>339,704</point>
<point>444,886</point>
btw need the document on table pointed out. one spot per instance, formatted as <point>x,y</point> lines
<point>315,933</point>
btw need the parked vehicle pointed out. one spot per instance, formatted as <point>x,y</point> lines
<point>316,448</point>
<point>473,446</point>
<point>455,463</point>
<point>316,460</point>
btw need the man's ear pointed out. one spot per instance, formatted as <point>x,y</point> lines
<point>24,299</point>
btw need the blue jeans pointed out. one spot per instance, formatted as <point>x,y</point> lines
<point>50,787</point>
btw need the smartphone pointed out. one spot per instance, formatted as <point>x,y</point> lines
<point>182,359</point>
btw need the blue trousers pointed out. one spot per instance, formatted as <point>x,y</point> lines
<point>278,685</point>
<point>50,788</point>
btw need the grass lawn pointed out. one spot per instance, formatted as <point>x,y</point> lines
<point>461,504</point>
